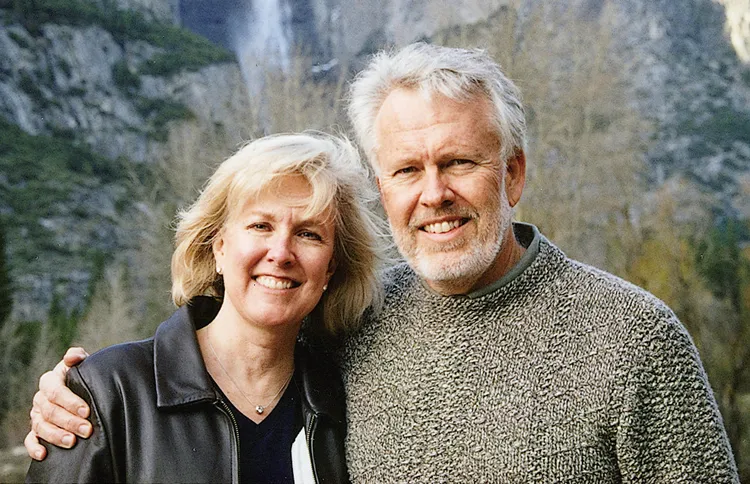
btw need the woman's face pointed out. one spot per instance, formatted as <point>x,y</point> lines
<point>275,261</point>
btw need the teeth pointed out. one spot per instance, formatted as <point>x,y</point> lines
<point>274,283</point>
<point>442,227</point>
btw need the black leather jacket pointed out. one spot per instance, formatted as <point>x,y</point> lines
<point>157,416</point>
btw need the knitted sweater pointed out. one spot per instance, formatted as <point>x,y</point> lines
<point>563,374</point>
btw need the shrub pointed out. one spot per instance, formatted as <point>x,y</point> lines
<point>183,49</point>
<point>124,77</point>
<point>19,40</point>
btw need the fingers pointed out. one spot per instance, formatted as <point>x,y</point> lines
<point>74,356</point>
<point>54,398</point>
<point>53,434</point>
<point>51,421</point>
<point>33,447</point>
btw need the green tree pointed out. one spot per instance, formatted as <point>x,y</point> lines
<point>6,288</point>
<point>726,267</point>
<point>62,325</point>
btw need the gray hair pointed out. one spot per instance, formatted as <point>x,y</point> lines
<point>338,180</point>
<point>458,74</point>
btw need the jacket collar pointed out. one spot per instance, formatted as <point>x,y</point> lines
<point>181,376</point>
<point>319,383</point>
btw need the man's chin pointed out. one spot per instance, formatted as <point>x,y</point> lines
<point>442,268</point>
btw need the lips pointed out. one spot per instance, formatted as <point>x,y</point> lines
<point>272,282</point>
<point>442,227</point>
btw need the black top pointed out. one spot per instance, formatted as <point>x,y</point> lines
<point>266,448</point>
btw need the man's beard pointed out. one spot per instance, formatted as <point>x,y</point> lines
<point>463,258</point>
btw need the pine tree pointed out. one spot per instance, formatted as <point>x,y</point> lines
<point>6,288</point>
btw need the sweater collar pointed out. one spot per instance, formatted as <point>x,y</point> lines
<point>528,236</point>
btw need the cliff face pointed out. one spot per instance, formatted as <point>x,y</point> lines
<point>115,94</point>
<point>93,90</point>
<point>111,76</point>
<point>686,65</point>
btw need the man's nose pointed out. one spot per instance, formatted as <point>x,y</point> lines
<point>280,249</point>
<point>435,191</point>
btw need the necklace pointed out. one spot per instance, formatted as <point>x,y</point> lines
<point>259,409</point>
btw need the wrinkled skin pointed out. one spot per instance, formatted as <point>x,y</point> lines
<point>58,424</point>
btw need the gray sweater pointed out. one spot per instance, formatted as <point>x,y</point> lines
<point>562,373</point>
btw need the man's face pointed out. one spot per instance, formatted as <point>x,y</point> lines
<point>444,187</point>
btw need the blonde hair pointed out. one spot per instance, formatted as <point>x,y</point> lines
<point>458,74</point>
<point>338,180</point>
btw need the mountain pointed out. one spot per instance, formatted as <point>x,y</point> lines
<point>686,63</point>
<point>88,93</point>
<point>104,81</point>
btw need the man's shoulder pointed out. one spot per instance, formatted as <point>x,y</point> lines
<point>599,287</point>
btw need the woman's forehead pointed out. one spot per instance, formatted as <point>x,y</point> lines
<point>293,191</point>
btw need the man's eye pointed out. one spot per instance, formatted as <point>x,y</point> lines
<point>460,161</point>
<point>405,171</point>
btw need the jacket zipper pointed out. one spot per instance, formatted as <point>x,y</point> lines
<point>313,424</point>
<point>236,430</point>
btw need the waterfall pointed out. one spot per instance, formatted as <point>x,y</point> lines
<point>262,39</point>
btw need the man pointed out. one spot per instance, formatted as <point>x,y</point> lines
<point>495,358</point>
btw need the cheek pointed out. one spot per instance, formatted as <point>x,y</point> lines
<point>398,202</point>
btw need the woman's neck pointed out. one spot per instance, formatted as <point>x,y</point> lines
<point>252,365</point>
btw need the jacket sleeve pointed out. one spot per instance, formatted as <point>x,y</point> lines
<point>670,429</point>
<point>90,460</point>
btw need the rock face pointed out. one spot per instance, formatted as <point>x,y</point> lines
<point>113,92</point>
<point>83,80</point>
<point>688,65</point>
<point>114,78</point>
<point>162,10</point>
<point>688,69</point>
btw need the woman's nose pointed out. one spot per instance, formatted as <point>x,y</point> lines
<point>280,250</point>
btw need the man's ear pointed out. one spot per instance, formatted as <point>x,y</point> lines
<point>515,177</point>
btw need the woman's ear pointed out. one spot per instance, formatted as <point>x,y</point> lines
<point>331,269</point>
<point>218,249</point>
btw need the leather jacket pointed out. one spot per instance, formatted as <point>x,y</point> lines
<point>157,416</point>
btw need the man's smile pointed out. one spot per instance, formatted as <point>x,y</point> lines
<point>443,227</point>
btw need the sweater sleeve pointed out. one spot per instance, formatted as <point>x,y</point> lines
<point>90,460</point>
<point>670,429</point>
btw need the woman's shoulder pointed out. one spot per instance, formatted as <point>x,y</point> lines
<point>117,362</point>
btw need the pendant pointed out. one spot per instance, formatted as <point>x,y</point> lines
<point>259,409</point>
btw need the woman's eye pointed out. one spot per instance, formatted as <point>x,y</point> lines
<point>258,226</point>
<point>310,235</point>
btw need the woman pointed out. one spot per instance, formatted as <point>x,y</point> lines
<point>280,238</point>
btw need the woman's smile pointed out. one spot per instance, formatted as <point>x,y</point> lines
<point>274,282</point>
<point>276,258</point>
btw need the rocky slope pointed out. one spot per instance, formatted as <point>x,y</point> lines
<point>111,76</point>
<point>94,89</point>
<point>687,64</point>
